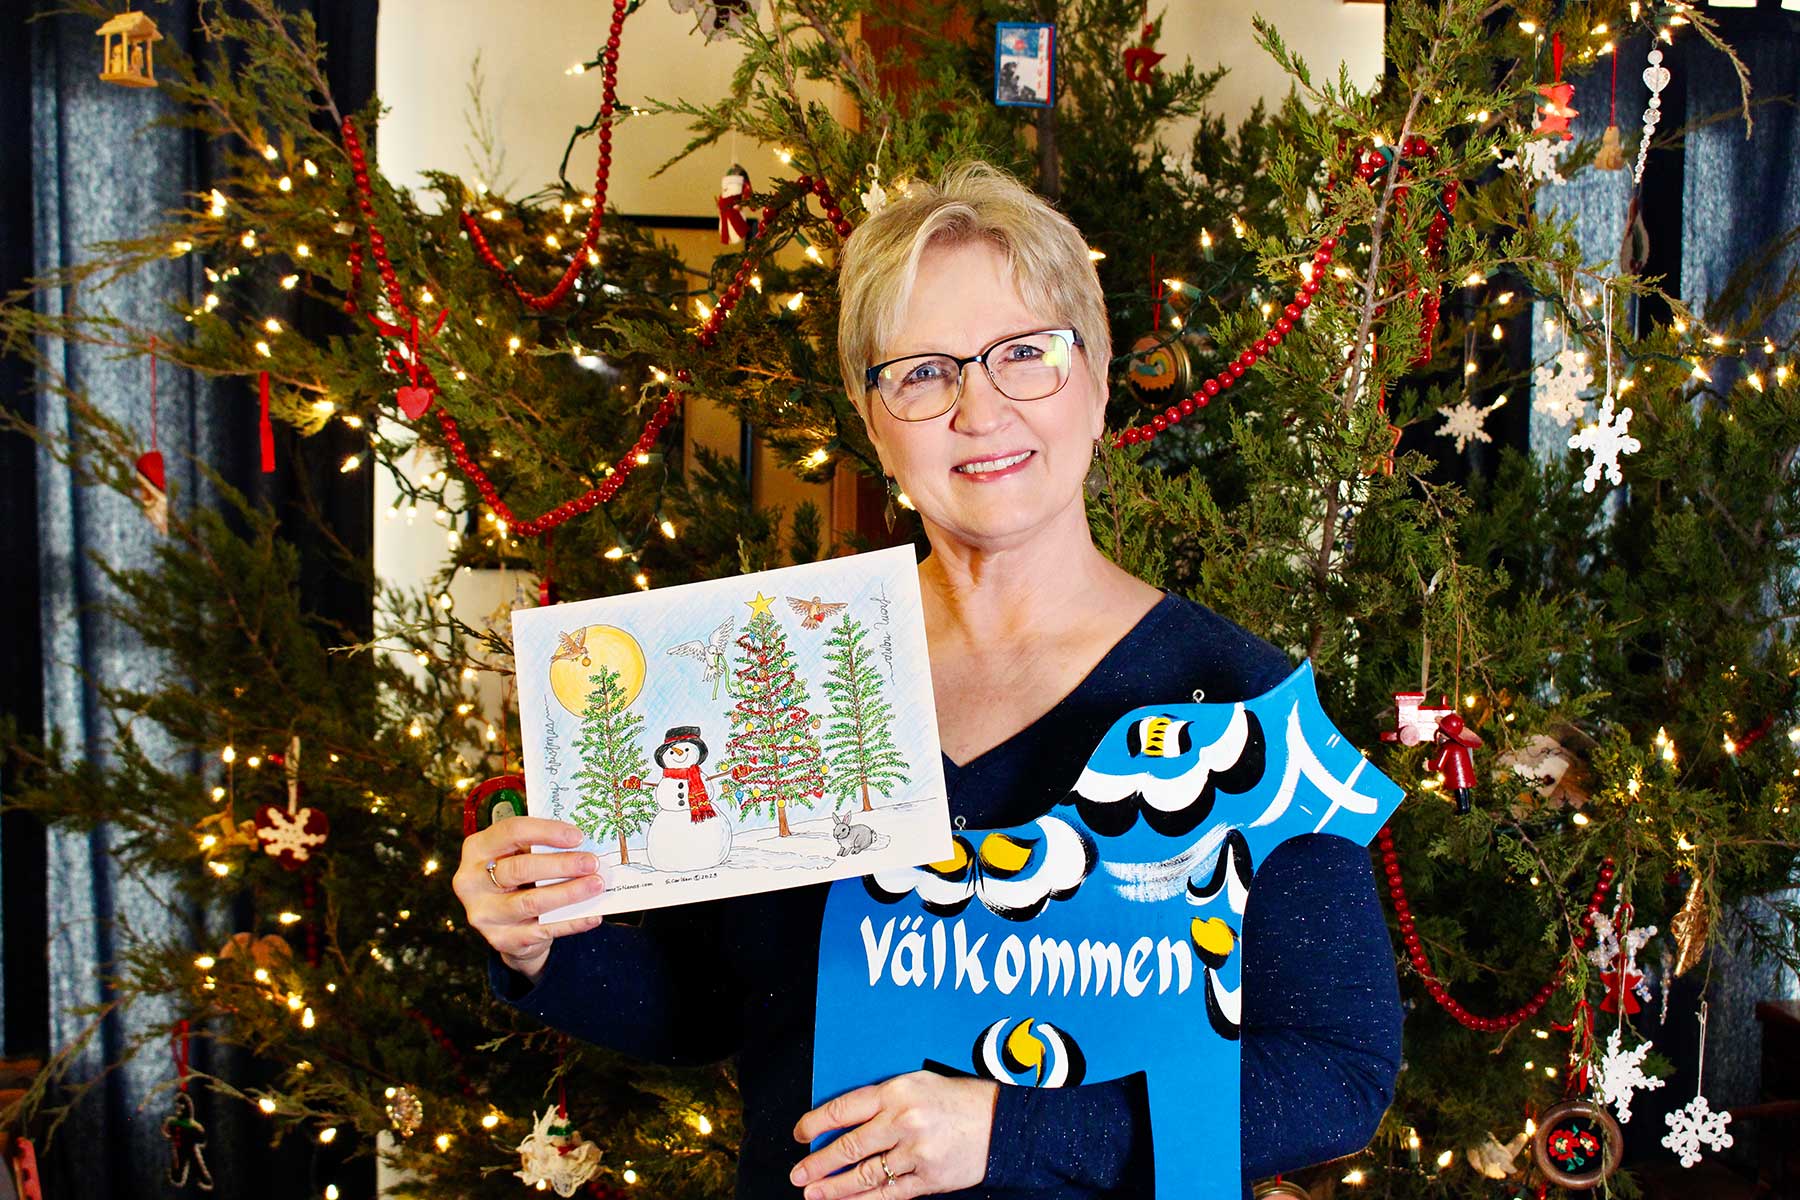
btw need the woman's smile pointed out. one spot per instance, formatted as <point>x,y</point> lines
<point>998,466</point>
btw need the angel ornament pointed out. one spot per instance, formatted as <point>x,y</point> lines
<point>709,653</point>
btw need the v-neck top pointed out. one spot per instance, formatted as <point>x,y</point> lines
<point>736,978</point>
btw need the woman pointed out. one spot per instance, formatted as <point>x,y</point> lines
<point>973,338</point>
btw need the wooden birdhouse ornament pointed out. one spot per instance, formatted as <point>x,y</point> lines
<point>127,55</point>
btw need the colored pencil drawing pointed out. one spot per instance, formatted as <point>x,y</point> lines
<point>737,735</point>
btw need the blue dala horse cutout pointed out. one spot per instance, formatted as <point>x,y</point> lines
<point>1102,940</point>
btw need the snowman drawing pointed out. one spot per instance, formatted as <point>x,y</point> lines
<point>688,833</point>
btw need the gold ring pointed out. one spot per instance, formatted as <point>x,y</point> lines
<point>494,877</point>
<point>882,1160</point>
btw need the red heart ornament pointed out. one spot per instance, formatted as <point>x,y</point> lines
<point>290,838</point>
<point>414,401</point>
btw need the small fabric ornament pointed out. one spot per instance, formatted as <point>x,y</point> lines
<point>292,835</point>
<point>153,489</point>
<point>1491,1160</point>
<point>1554,115</point>
<point>734,190</point>
<point>1141,59</point>
<point>553,1153</point>
<point>1611,155</point>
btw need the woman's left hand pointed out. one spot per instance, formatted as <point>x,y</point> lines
<point>915,1135</point>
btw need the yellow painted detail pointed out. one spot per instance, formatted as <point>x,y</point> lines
<point>1004,854</point>
<point>1025,1047</point>
<point>959,858</point>
<point>1213,936</point>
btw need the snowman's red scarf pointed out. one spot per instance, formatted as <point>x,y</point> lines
<point>700,806</point>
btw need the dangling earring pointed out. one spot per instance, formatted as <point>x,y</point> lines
<point>887,513</point>
<point>1095,483</point>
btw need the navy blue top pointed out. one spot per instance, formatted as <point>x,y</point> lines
<point>1321,1022</point>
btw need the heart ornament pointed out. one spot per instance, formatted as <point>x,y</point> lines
<point>414,400</point>
<point>1656,76</point>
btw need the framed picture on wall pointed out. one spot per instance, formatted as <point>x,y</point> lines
<point>1025,64</point>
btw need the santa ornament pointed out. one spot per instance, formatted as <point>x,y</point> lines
<point>153,487</point>
<point>734,192</point>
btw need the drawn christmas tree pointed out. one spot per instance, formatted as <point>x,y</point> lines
<point>772,742</point>
<point>859,742</point>
<point>612,762</point>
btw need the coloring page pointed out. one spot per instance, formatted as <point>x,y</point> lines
<point>737,735</point>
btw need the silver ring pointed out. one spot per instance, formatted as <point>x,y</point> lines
<point>494,877</point>
<point>882,1160</point>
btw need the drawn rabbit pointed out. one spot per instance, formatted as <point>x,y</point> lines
<point>852,839</point>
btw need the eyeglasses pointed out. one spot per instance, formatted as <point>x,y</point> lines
<point>1021,366</point>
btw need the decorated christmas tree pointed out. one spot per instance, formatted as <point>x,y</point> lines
<point>1302,305</point>
<point>858,741</point>
<point>613,803</point>
<point>773,752</point>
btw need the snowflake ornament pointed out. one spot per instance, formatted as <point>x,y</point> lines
<point>1556,386</point>
<point>1621,1072</point>
<point>1694,1126</point>
<point>553,1154</point>
<point>1606,439</point>
<point>1465,423</point>
<point>1539,159</point>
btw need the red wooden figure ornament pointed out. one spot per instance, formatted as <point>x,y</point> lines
<point>1455,741</point>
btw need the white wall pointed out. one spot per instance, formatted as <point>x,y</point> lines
<point>1323,33</point>
<point>423,70</point>
<point>425,50</point>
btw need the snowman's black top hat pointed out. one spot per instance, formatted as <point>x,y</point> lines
<point>681,733</point>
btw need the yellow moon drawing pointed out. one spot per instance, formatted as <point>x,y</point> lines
<point>581,654</point>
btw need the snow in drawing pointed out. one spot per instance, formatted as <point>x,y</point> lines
<point>737,735</point>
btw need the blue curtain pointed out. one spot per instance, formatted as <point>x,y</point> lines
<point>99,170</point>
<point>1709,204</point>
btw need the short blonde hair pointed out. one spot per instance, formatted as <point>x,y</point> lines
<point>1046,254</point>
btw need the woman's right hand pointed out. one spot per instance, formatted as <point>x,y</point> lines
<point>503,908</point>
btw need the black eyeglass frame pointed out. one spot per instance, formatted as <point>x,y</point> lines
<point>872,376</point>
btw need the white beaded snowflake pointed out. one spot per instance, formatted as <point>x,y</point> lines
<point>1538,159</point>
<point>1465,423</point>
<point>1556,386</point>
<point>1621,1072</point>
<point>1608,946</point>
<point>1694,1126</point>
<point>556,1155</point>
<point>1605,439</point>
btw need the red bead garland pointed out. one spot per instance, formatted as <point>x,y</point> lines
<point>609,66</point>
<point>665,411</point>
<point>1415,949</point>
<point>1367,167</point>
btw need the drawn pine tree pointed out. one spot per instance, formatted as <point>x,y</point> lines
<point>611,759</point>
<point>859,741</point>
<point>772,751</point>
